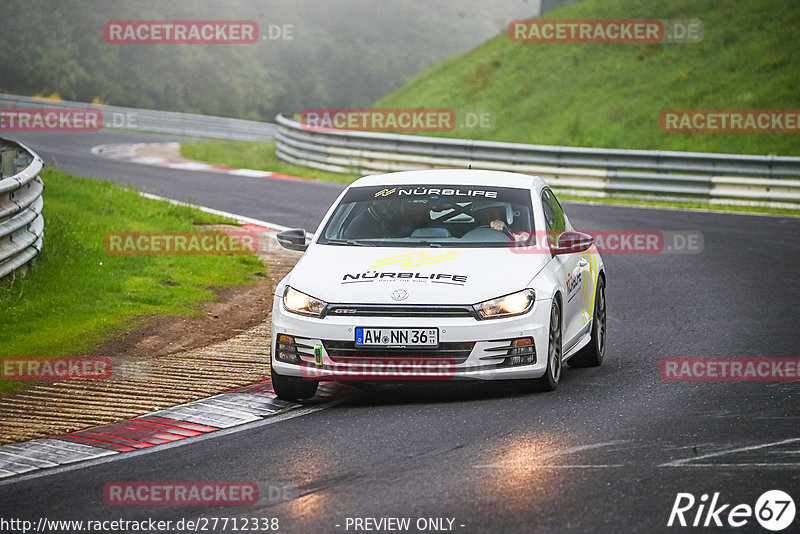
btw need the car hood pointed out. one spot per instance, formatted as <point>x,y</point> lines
<point>382,275</point>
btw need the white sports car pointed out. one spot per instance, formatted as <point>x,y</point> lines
<point>439,275</point>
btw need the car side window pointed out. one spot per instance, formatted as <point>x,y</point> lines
<point>553,216</point>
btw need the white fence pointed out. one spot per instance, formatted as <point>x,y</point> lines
<point>115,117</point>
<point>598,172</point>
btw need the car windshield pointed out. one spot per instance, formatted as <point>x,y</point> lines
<point>430,216</point>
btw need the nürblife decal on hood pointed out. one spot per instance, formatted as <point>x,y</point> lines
<point>410,259</point>
<point>343,274</point>
<point>399,276</point>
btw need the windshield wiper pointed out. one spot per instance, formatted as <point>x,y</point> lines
<point>352,242</point>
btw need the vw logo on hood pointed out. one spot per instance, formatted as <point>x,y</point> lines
<point>399,294</point>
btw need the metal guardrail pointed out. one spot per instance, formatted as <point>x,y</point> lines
<point>115,117</point>
<point>596,172</point>
<point>21,221</point>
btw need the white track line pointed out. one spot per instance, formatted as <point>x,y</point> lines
<point>686,462</point>
<point>516,464</point>
<point>229,215</point>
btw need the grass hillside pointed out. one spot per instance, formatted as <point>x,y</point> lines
<point>611,95</point>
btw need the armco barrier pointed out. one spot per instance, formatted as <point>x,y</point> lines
<point>644,174</point>
<point>598,172</point>
<point>21,221</point>
<point>156,121</point>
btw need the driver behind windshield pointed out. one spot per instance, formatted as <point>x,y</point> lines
<point>491,215</point>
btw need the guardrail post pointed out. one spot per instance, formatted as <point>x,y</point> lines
<point>21,161</point>
<point>7,155</point>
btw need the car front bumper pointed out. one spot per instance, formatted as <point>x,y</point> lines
<point>324,347</point>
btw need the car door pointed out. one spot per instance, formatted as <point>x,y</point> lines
<point>568,269</point>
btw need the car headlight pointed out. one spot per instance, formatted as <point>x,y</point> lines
<point>513,304</point>
<point>298,302</point>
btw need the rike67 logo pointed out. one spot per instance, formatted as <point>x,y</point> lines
<point>774,510</point>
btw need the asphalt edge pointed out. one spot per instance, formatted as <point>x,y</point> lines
<point>167,427</point>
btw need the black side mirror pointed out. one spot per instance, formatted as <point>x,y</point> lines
<point>294,239</point>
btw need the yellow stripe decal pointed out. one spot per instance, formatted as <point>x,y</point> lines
<point>594,287</point>
<point>414,259</point>
<point>584,293</point>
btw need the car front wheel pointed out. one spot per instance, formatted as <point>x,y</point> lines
<point>592,354</point>
<point>292,388</point>
<point>552,374</point>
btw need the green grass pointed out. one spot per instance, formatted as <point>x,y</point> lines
<point>611,95</point>
<point>77,296</point>
<point>606,95</point>
<point>259,155</point>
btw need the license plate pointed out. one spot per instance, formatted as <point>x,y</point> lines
<point>397,337</point>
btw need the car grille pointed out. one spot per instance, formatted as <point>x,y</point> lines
<point>347,350</point>
<point>374,310</point>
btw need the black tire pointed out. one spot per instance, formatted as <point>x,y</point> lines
<point>292,388</point>
<point>552,374</point>
<point>592,354</point>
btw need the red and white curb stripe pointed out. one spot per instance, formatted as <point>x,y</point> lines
<point>234,408</point>
<point>130,152</point>
<point>237,407</point>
